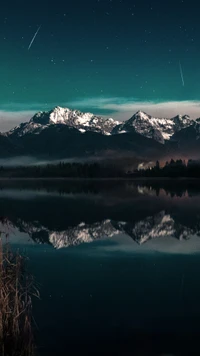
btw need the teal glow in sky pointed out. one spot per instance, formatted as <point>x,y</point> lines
<point>120,51</point>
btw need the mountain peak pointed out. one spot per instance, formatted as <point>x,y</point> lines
<point>65,116</point>
<point>160,129</point>
<point>140,112</point>
<point>181,117</point>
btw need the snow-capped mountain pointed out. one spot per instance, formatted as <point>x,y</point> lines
<point>64,133</point>
<point>157,226</point>
<point>82,233</point>
<point>64,116</point>
<point>159,129</point>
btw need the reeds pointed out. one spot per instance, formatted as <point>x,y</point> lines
<point>16,290</point>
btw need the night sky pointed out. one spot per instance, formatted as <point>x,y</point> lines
<point>110,57</point>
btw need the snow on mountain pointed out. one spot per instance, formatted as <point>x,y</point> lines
<point>82,233</point>
<point>72,118</point>
<point>160,129</point>
<point>158,226</point>
<point>26,128</point>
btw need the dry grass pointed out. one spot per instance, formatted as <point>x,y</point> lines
<point>16,290</point>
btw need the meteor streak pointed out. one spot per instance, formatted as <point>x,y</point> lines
<point>181,73</point>
<point>33,39</point>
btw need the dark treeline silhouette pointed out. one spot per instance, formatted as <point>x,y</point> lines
<point>65,170</point>
<point>178,168</point>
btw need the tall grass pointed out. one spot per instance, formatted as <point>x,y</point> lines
<point>16,290</point>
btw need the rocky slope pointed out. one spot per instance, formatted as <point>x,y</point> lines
<point>159,129</point>
<point>64,133</point>
<point>64,116</point>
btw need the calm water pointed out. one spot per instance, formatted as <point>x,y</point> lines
<point>118,263</point>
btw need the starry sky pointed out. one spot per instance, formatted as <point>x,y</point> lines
<point>111,57</point>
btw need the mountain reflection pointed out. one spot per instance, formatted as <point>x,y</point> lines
<point>88,211</point>
<point>152,227</point>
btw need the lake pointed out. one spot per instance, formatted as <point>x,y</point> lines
<point>118,263</point>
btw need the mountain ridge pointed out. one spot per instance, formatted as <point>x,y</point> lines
<point>160,129</point>
<point>62,133</point>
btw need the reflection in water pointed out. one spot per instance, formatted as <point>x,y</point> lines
<point>152,227</point>
<point>141,212</point>
<point>112,290</point>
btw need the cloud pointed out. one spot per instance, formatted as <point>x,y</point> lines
<point>123,108</point>
<point>118,108</point>
<point>10,119</point>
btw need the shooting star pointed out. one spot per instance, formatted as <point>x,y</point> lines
<point>181,73</point>
<point>33,39</point>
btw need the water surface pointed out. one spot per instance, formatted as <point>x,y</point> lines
<point>118,263</point>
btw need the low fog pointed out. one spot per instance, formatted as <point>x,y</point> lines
<point>124,161</point>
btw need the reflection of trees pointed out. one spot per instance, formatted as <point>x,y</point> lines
<point>172,188</point>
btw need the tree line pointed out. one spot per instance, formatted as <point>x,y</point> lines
<point>65,170</point>
<point>173,168</point>
<point>178,168</point>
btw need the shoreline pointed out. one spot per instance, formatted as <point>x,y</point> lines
<point>99,179</point>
